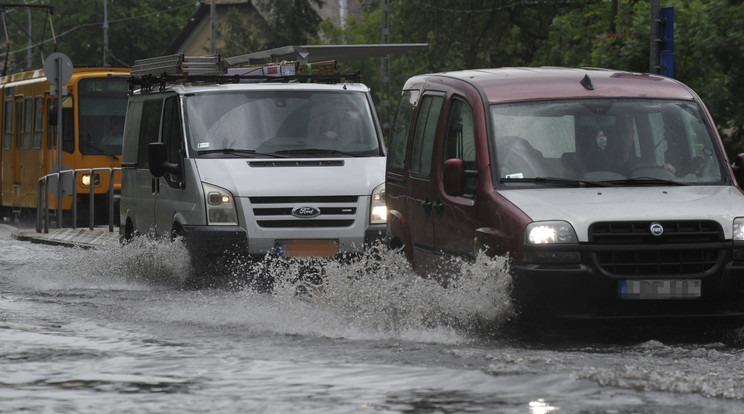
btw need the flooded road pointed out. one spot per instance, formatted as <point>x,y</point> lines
<point>113,330</point>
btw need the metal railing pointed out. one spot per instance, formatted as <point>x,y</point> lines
<point>43,193</point>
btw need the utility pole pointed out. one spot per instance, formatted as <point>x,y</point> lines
<point>30,44</point>
<point>105,33</point>
<point>212,29</point>
<point>385,73</point>
<point>654,37</point>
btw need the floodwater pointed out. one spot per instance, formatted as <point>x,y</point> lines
<point>114,330</point>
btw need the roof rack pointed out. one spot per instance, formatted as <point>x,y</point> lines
<point>308,63</point>
<point>164,70</point>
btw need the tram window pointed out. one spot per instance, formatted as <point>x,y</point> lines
<point>51,123</point>
<point>18,122</point>
<point>68,125</point>
<point>8,128</point>
<point>28,122</point>
<point>38,126</point>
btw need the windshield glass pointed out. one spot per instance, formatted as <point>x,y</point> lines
<point>620,141</point>
<point>274,123</point>
<point>103,106</point>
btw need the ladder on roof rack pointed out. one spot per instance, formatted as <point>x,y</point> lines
<point>164,70</point>
<point>308,63</point>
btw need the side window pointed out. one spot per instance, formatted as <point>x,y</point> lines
<point>38,123</point>
<point>51,104</point>
<point>28,122</point>
<point>399,137</point>
<point>149,129</point>
<point>68,125</point>
<point>460,139</point>
<point>8,128</point>
<point>424,134</point>
<point>172,135</point>
<point>18,122</point>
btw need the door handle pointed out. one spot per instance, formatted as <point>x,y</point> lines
<point>426,204</point>
<point>438,207</point>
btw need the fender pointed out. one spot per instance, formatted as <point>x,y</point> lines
<point>398,228</point>
<point>492,241</point>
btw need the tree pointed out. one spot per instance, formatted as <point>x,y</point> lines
<point>137,29</point>
<point>292,22</point>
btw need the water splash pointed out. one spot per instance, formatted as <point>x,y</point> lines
<point>378,290</point>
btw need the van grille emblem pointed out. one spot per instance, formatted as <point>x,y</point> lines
<point>656,229</point>
<point>306,212</point>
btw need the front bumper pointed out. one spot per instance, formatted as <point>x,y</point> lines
<point>584,291</point>
<point>215,240</point>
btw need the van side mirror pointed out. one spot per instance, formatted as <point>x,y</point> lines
<point>738,167</point>
<point>454,177</point>
<point>158,158</point>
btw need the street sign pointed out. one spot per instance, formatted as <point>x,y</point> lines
<point>58,68</point>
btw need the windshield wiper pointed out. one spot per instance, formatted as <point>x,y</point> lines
<point>646,181</point>
<point>244,152</point>
<point>559,181</point>
<point>102,151</point>
<point>316,151</point>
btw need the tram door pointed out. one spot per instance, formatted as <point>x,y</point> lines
<point>17,139</point>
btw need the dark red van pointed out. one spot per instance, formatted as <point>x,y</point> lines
<point>609,191</point>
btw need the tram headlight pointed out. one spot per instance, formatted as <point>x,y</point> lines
<point>85,180</point>
<point>220,206</point>
<point>378,210</point>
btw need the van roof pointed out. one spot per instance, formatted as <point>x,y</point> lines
<point>185,89</point>
<point>523,83</point>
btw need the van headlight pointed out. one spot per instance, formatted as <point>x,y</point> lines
<point>551,242</point>
<point>220,206</point>
<point>738,229</point>
<point>378,210</point>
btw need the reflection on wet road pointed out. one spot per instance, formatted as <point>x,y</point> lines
<point>115,328</point>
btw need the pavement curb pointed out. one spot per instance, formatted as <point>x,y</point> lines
<point>85,238</point>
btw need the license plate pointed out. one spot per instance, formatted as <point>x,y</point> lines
<point>659,289</point>
<point>307,248</point>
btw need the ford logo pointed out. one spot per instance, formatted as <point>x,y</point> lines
<point>306,212</point>
<point>656,229</point>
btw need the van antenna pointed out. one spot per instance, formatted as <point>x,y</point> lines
<point>587,83</point>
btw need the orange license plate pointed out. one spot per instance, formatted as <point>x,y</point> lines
<point>307,248</point>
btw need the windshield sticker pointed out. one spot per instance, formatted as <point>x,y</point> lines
<point>202,145</point>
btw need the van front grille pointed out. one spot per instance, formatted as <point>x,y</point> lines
<point>684,248</point>
<point>333,211</point>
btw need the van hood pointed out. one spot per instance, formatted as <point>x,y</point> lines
<point>294,177</point>
<point>583,206</point>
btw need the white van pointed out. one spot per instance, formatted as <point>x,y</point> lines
<point>267,167</point>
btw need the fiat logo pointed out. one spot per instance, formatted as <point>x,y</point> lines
<point>306,212</point>
<point>656,229</point>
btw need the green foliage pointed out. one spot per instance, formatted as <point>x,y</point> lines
<point>137,29</point>
<point>240,33</point>
<point>708,55</point>
<point>292,22</point>
<point>572,36</point>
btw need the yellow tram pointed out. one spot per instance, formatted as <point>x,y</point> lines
<point>93,110</point>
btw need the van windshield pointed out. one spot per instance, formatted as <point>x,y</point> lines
<point>271,123</point>
<point>606,141</point>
